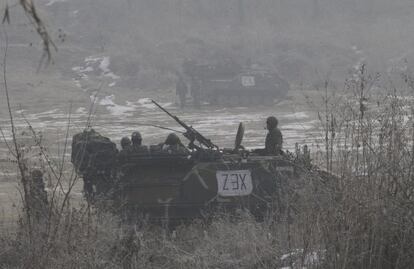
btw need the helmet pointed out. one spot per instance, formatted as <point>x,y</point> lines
<point>125,142</point>
<point>136,138</point>
<point>271,122</point>
<point>172,139</point>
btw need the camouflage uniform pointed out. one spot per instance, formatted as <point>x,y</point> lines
<point>274,138</point>
<point>38,195</point>
<point>273,143</point>
<point>137,146</point>
<point>173,144</point>
<point>94,157</point>
<point>126,149</point>
<point>136,140</point>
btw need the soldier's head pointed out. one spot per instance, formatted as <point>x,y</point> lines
<point>172,140</point>
<point>271,122</point>
<point>136,139</point>
<point>125,142</point>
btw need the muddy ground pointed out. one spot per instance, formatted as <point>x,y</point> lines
<point>115,118</point>
<point>56,103</point>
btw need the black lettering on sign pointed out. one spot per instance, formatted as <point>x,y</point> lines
<point>225,182</point>
<point>243,184</point>
<point>235,181</point>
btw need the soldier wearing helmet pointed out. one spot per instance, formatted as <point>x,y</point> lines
<point>38,194</point>
<point>172,140</point>
<point>126,148</point>
<point>136,139</point>
<point>125,143</point>
<point>137,146</point>
<point>173,144</point>
<point>274,139</point>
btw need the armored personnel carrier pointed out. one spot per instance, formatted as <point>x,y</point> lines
<point>233,85</point>
<point>175,184</point>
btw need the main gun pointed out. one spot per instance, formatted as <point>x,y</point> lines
<point>191,133</point>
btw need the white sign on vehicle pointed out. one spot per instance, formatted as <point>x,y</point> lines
<point>248,81</point>
<point>234,183</point>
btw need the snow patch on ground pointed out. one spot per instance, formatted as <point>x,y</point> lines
<point>107,100</point>
<point>115,109</point>
<point>146,102</point>
<point>104,66</point>
<point>94,66</point>
<point>129,107</point>
<point>81,110</point>
<point>77,83</point>
<point>300,125</point>
<point>310,260</point>
<point>48,112</point>
<point>297,115</point>
<point>82,69</point>
<point>168,104</point>
<point>7,174</point>
<point>94,98</point>
<point>51,2</point>
<point>20,111</point>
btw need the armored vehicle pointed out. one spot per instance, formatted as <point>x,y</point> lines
<point>176,183</point>
<point>233,85</point>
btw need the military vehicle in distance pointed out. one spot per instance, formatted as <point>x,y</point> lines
<point>166,184</point>
<point>230,84</point>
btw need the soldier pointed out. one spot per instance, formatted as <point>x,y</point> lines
<point>126,148</point>
<point>38,194</point>
<point>125,143</point>
<point>173,144</point>
<point>274,139</point>
<point>172,140</point>
<point>181,90</point>
<point>136,139</point>
<point>195,91</point>
<point>137,146</point>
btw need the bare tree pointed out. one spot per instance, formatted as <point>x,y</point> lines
<point>40,27</point>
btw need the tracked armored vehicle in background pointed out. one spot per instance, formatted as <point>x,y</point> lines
<point>230,84</point>
<point>177,185</point>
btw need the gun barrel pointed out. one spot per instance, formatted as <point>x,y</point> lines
<point>163,109</point>
<point>191,132</point>
<point>172,116</point>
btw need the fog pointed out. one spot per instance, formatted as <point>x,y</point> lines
<point>303,40</point>
<point>127,51</point>
<point>110,59</point>
<point>147,40</point>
